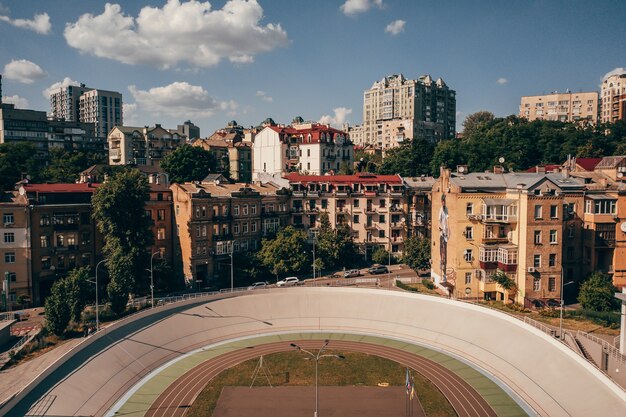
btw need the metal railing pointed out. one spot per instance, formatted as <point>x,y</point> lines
<point>606,346</point>
<point>7,316</point>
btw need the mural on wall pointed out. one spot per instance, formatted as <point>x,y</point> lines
<point>444,233</point>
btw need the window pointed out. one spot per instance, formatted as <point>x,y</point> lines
<point>7,218</point>
<point>469,208</point>
<point>536,283</point>
<point>197,231</point>
<point>253,227</point>
<point>605,207</point>
<point>245,210</point>
<point>45,263</point>
<point>537,237</point>
<point>45,241</point>
<point>538,212</point>
<point>467,255</point>
<point>9,257</point>
<point>12,278</point>
<point>552,260</point>
<point>236,210</point>
<point>161,214</point>
<point>381,218</point>
<point>554,212</point>
<point>197,211</point>
<point>244,228</point>
<point>356,203</point>
<point>71,240</point>
<point>570,231</point>
<point>355,219</point>
<point>381,233</point>
<point>324,204</point>
<point>236,228</point>
<point>204,228</point>
<point>61,261</point>
<point>553,237</point>
<point>469,233</point>
<point>60,241</point>
<point>537,261</point>
<point>382,204</point>
<point>253,209</point>
<point>161,233</point>
<point>9,237</point>
<point>44,220</point>
<point>552,284</point>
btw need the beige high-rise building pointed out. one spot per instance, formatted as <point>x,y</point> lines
<point>613,95</point>
<point>562,107</point>
<point>429,104</point>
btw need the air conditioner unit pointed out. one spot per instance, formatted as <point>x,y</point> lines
<point>531,269</point>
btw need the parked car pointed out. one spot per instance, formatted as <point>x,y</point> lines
<point>352,273</point>
<point>288,282</point>
<point>260,284</point>
<point>378,269</point>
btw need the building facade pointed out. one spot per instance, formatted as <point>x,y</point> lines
<point>232,153</point>
<point>218,223</point>
<point>563,107</point>
<point>142,146</point>
<point>429,104</point>
<point>15,247</point>
<point>89,105</point>
<point>613,96</point>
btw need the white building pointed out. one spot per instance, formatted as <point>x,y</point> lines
<point>310,148</point>
<point>613,96</point>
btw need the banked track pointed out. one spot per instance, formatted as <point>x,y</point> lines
<point>545,376</point>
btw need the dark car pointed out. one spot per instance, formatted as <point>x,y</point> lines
<point>378,269</point>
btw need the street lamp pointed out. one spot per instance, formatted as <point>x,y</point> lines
<point>97,307</point>
<point>152,279</point>
<point>317,358</point>
<point>232,280</point>
<point>562,306</point>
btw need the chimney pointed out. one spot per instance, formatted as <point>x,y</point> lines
<point>498,169</point>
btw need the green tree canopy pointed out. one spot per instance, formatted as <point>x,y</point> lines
<point>286,253</point>
<point>334,248</point>
<point>475,120</point>
<point>381,256</point>
<point>66,166</point>
<point>188,163</point>
<point>77,291</point>
<point>416,253</point>
<point>411,159</point>
<point>18,160</point>
<point>118,208</point>
<point>597,293</point>
<point>58,310</point>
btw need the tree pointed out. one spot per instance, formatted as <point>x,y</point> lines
<point>118,208</point>
<point>77,292</point>
<point>416,253</point>
<point>411,159</point>
<point>597,293</point>
<point>287,253</point>
<point>381,256</point>
<point>66,166</point>
<point>334,248</point>
<point>473,121</point>
<point>345,168</point>
<point>508,284</point>
<point>58,311</point>
<point>188,163</point>
<point>18,160</point>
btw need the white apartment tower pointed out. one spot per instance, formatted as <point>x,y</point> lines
<point>613,96</point>
<point>88,105</point>
<point>429,105</point>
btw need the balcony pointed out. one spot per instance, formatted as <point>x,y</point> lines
<point>396,209</point>
<point>498,218</point>
<point>224,236</point>
<point>488,265</point>
<point>370,210</point>
<point>495,239</point>
<point>397,225</point>
<point>297,209</point>
<point>298,193</point>
<point>342,193</point>
<point>370,226</point>
<point>507,267</point>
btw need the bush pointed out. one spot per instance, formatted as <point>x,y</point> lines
<point>597,293</point>
<point>428,284</point>
<point>405,287</point>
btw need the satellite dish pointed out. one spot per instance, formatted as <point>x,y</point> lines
<point>620,174</point>
<point>501,159</point>
<point>623,227</point>
<point>461,170</point>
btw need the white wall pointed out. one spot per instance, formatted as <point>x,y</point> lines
<point>268,153</point>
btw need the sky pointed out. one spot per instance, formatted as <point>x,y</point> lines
<point>213,62</point>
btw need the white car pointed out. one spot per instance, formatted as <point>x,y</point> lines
<point>260,284</point>
<point>288,282</point>
<point>352,273</point>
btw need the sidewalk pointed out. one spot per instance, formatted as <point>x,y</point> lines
<point>14,379</point>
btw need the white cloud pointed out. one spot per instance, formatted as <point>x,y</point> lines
<point>188,32</point>
<point>54,88</point>
<point>129,112</point>
<point>40,23</point>
<point>395,27</point>
<point>179,99</point>
<point>616,71</point>
<point>23,71</point>
<point>502,81</point>
<point>352,7</point>
<point>263,96</point>
<point>20,102</point>
<point>340,117</point>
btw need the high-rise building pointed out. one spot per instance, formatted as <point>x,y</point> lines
<point>562,107</point>
<point>90,105</point>
<point>429,105</point>
<point>613,95</point>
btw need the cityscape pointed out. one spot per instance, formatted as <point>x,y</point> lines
<point>228,215</point>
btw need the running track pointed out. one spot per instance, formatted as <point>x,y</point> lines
<point>180,395</point>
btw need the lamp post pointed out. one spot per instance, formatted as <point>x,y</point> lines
<point>317,358</point>
<point>562,306</point>
<point>152,279</point>
<point>232,280</point>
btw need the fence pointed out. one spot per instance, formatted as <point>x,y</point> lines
<point>606,346</point>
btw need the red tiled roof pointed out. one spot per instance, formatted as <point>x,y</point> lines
<point>588,164</point>
<point>548,168</point>
<point>345,179</point>
<point>61,188</point>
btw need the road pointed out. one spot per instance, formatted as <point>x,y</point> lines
<point>176,400</point>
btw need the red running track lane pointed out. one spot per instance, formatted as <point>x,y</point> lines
<point>180,395</point>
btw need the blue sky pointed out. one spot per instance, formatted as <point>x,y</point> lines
<point>246,61</point>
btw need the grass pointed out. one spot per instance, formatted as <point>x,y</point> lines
<point>291,369</point>
<point>421,288</point>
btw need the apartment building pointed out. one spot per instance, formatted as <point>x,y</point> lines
<point>89,105</point>
<point>142,145</point>
<point>217,223</point>
<point>419,191</point>
<point>310,148</point>
<point>232,153</point>
<point>430,105</point>
<point>375,207</point>
<point>562,107</point>
<point>613,96</point>
<point>15,247</point>
<point>516,223</point>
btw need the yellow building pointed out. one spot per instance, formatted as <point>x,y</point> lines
<point>563,107</point>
